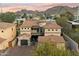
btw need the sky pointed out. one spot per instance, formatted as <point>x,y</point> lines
<point>36,4</point>
<point>13,7</point>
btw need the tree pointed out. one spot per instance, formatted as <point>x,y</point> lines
<point>70,16</point>
<point>8,17</point>
<point>64,17</point>
<point>48,49</point>
<point>24,15</point>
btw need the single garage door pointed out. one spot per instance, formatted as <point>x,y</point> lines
<point>24,42</point>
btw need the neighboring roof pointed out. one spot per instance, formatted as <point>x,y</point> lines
<point>25,35</point>
<point>2,40</point>
<point>74,22</point>
<point>4,25</point>
<point>52,25</point>
<point>52,38</point>
<point>29,23</point>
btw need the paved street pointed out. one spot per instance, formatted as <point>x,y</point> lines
<point>20,51</point>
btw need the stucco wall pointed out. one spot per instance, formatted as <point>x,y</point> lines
<point>25,30</point>
<point>52,32</point>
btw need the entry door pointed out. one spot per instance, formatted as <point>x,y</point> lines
<point>10,44</point>
<point>24,42</point>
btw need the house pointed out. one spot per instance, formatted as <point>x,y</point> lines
<point>7,35</point>
<point>41,31</point>
<point>28,29</point>
<point>58,41</point>
<point>36,17</point>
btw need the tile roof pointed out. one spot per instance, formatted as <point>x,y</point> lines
<point>49,24</point>
<point>52,38</point>
<point>52,25</point>
<point>4,25</point>
<point>29,23</point>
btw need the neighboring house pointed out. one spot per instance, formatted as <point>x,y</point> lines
<point>58,41</point>
<point>73,24</point>
<point>7,35</point>
<point>36,18</point>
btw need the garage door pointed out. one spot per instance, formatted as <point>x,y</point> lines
<point>24,42</point>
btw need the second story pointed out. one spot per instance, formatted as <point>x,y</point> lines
<point>28,26</point>
<point>40,28</point>
<point>7,30</point>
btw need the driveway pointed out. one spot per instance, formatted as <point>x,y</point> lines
<point>21,51</point>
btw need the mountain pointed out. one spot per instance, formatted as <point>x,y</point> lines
<point>52,10</point>
<point>60,9</point>
<point>25,11</point>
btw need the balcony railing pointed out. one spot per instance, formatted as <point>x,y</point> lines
<point>35,32</point>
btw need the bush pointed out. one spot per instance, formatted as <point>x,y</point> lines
<point>7,17</point>
<point>48,49</point>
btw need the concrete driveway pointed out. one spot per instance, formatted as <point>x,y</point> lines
<point>21,51</point>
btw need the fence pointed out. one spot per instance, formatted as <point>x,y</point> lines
<point>71,43</point>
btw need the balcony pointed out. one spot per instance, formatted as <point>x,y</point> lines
<point>37,31</point>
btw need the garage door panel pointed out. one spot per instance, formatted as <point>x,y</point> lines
<point>24,42</point>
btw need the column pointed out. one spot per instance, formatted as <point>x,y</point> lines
<point>19,42</point>
<point>29,43</point>
<point>39,31</point>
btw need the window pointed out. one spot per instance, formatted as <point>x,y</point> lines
<point>2,31</point>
